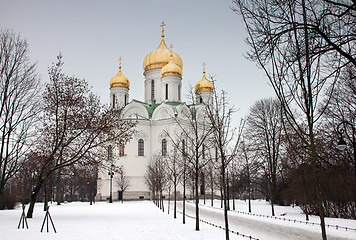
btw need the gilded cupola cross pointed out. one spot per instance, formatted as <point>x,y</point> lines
<point>162,25</point>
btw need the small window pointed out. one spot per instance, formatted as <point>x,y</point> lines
<point>113,101</point>
<point>141,149</point>
<point>152,89</point>
<point>179,86</point>
<point>166,91</point>
<point>201,99</point>
<point>125,99</point>
<point>164,147</point>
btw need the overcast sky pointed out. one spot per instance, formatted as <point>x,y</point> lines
<point>92,35</point>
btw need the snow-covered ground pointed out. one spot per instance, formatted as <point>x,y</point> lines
<point>262,227</point>
<point>143,220</point>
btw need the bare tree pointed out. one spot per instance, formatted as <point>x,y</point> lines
<point>156,179</point>
<point>173,167</point>
<point>195,130</point>
<point>73,126</point>
<point>225,138</point>
<point>19,87</point>
<point>249,164</point>
<point>265,128</point>
<point>122,181</point>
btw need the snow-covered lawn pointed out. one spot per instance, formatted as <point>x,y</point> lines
<point>143,220</point>
<point>130,220</point>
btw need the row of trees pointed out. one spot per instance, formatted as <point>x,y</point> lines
<point>307,51</point>
<point>50,135</point>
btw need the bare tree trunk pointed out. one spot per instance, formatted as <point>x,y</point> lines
<point>197,196</point>
<point>169,199</point>
<point>221,197</point>
<point>227,237</point>
<point>212,188</point>
<point>175,200</point>
<point>249,194</point>
<point>34,194</point>
<point>271,196</point>
<point>318,188</point>
<point>184,195</point>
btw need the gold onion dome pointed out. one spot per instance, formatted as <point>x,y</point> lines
<point>171,69</point>
<point>204,85</point>
<point>161,56</point>
<point>119,80</point>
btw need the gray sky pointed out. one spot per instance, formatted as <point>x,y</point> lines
<point>92,35</point>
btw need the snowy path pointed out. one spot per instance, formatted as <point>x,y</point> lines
<point>266,229</point>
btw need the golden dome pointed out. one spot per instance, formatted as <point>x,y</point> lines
<point>119,80</point>
<point>204,85</point>
<point>160,57</point>
<point>171,69</point>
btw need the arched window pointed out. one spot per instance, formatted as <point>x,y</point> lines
<point>164,147</point>
<point>113,101</point>
<point>201,99</point>
<point>122,149</point>
<point>152,89</point>
<point>109,153</point>
<point>141,147</point>
<point>167,91</point>
<point>125,99</point>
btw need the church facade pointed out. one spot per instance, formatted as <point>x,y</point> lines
<point>156,117</point>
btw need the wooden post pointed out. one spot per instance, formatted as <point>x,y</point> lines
<point>45,220</point>
<point>23,218</point>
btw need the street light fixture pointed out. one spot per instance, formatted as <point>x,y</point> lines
<point>341,145</point>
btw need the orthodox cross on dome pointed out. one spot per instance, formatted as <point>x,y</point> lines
<point>162,25</point>
<point>120,63</point>
<point>204,67</point>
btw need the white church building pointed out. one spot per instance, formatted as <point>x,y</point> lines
<point>155,116</point>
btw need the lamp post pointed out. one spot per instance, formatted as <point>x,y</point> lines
<point>341,145</point>
<point>111,171</point>
<point>111,174</point>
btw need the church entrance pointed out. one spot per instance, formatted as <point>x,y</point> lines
<point>120,195</point>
